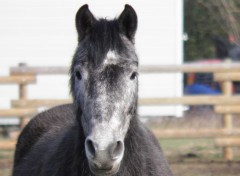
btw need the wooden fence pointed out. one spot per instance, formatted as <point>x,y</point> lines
<point>226,104</point>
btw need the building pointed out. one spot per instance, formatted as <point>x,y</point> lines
<point>42,33</point>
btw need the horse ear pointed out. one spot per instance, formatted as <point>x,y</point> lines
<point>128,22</point>
<point>84,21</point>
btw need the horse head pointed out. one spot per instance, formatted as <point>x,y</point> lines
<point>104,85</point>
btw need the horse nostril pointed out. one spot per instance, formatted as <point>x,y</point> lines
<point>89,145</point>
<point>117,149</point>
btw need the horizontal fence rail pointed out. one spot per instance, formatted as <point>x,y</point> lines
<point>39,103</point>
<point>234,109</point>
<point>195,133</point>
<point>15,112</point>
<point>235,76</point>
<point>7,144</point>
<point>17,79</point>
<point>192,100</point>
<point>229,142</point>
<point>186,68</point>
<point>26,70</point>
<point>186,100</point>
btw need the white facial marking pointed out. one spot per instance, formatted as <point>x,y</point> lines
<point>107,131</point>
<point>111,57</point>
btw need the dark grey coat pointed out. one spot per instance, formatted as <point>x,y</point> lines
<point>52,144</point>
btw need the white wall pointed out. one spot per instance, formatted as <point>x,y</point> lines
<point>42,33</point>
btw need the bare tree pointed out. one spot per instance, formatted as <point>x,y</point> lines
<point>227,14</point>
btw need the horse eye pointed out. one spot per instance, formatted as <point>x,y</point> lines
<point>133,76</point>
<point>78,75</point>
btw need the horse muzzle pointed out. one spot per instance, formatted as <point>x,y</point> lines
<point>104,160</point>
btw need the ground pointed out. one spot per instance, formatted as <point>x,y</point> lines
<point>187,157</point>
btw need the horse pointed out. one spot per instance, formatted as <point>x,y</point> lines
<point>99,134</point>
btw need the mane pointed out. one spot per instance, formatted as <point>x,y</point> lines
<point>103,37</point>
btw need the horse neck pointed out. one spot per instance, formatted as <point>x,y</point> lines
<point>133,127</point>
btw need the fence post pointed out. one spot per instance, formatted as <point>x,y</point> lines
<point>227,118</point>
<point>23,96</point>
